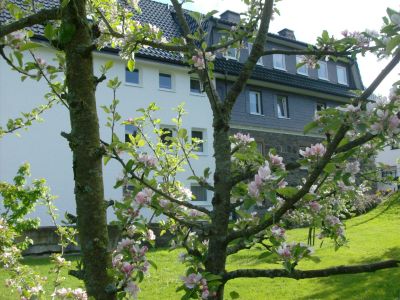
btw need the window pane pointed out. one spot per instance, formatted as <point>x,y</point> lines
<point>341,74</point>
<point>260,147</point>
<point>321,106</point>
<point>231,52</point>
<point>323,70</point>
<point>279,61</point>
<point>199,192</point>
<point>165,137</point>
<point>255,103</point>
<point>198,135</point>
<point>165,81</point>
<point>282,107</point>
<point>195,86</point>
<point>303,69</point>
<point>132,77</point>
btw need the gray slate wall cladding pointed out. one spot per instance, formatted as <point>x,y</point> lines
<point>301,109</point>
<point>287,145</point>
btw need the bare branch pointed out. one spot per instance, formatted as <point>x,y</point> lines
<point>40,17</point>
<point>299,274</point>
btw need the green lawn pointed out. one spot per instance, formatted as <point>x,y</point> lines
<point>372,237</point>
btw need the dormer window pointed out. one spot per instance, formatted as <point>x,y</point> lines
<point>341,75</point>
<point>260,60</point>
<point>231,53</point>
<point>323,70</point>
<point>303,70</point>
<point>279,61</point>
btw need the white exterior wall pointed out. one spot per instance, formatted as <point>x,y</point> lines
<point>391,158</point>
<point>49,154</point>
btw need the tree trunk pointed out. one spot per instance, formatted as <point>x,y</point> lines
<point>216,259</point>
<point>84,141</point>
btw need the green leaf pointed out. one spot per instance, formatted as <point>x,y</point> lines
<point>392,43</point>
<point>67,30</point>
<point>29,46</point>
<point>131,65</point>
<point>330,168</point>
<point>49,31</point>
<point>128,166</point>
<point>182,133</point>
<point>108,65</point>
<point>310,126</point>
<point>234,295</point>
<point>288,191</point>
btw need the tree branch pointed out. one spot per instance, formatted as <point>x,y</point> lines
<point>299,274</point>
<point>40,17</point>
<point>307,52</point>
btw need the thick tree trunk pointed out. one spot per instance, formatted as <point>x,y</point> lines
<point>216,259</point>
<point>85,144</point>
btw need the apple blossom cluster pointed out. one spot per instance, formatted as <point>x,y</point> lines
<point>333,228</point>
<point>70,294</point>
<point>315,151</point>
<point>292,253</point>
<point>148,160</point>
<point>241,139</point>
<point>199,60</point>
<point>276,161</point>
<point>198,282</point>
<point>15,39</point>
<point>129,259</point>
<point>263,176</point>
<point>361,40</point>
<point>144,197</point>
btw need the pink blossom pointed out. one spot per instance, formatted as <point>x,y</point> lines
<point>242,139</point>
<point>253,189</point>
<point>41,62</point>
<point>147,160</point>
<point>127,268</point>
<point>144,196</point>
<point>282,183</point>
<point>376,128</point>
<point>277,231</point>
<point>265,172</point>
<point>150,235</point>
<point>394,123</point>
<point>194,213</point>
<point>332,220</point>
<point>277,160</point>
<point>124,243</point>
<point>164,203</point>
<point>186,193</point>
<point>315,206</point>
<point>117,260</point>
<point>205,294</point>
<point>198,62</point>
<point>284,251</point>
<point>130,120</point>
<point>192,280</point>
<point>353,167</point>
<point>315,150</point>
<point>132,289</point>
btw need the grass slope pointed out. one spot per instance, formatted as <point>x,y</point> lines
<point>372,237</point>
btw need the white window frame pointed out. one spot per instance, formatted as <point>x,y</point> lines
<point>303,70</point>
<point>282,59</point>
<point>139,84</point>
<point>172,89</point>
<point>200,93</point>
<point>320,75</point>
<point>228,56</point>
<point>204,133</point>
<point>260,60</point>
<point>206,193</point>
<point>259,102</point>
<point>285,107</point>
<point>343,69</point>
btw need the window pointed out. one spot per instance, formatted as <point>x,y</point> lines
<point>282,107</point>
<point>199,192</point>
<point>165,81</point>
<point>323,70</point>
<point>132,77</point>
<point>279,61</point>
<point>166,136</point>
<point>198,134</point>
<point>255,103</point>
<point>260,147</point>
<point>389,172</point>
<point>341,75</point>
<point>231,53</point>
<point>130,130</point>
<point>303,70</point>
<point>320,106</point>
<point>195,86</point>
<point>260,60</point>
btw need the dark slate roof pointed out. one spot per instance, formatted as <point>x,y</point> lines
<point>233,67</point>
<point>163,16</point>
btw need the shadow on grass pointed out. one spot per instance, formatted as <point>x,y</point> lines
<point>381,285</point>
<point>394,201</point>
